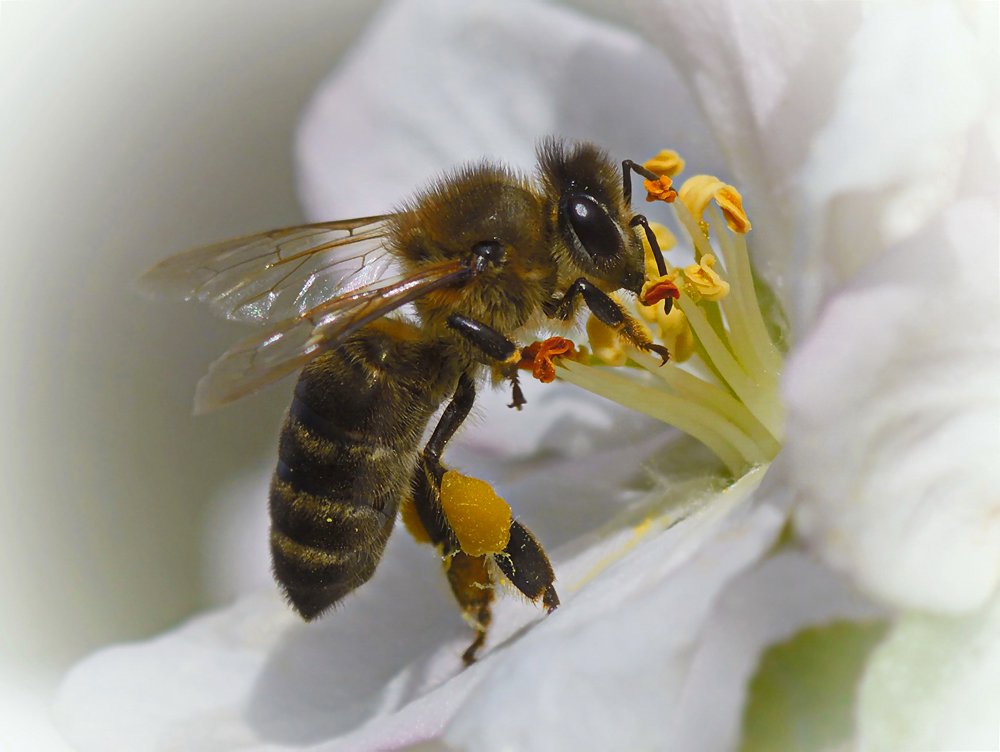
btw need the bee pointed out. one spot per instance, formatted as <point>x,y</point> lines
<point>481,257</point>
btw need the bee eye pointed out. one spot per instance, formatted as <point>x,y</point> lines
<point>594,229</point>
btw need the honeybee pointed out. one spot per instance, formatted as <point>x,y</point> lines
<point>484,255</point>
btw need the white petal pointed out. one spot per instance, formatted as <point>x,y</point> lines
<point>253,676</point>
<point>606,670</point>
<point>380,672</point>
<point>766,75</point>
<point>891,154</point>
<point>934,684</point>
<point>438,82</point>
<point>767,604</point>
<point>894,402</point>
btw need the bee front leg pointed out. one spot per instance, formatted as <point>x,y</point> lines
<point>607,311</point>
<point>495,346</point>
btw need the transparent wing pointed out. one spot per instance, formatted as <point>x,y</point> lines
<point>288,345</point>
<point>277,274</point>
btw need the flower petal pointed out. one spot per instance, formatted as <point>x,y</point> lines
<point>894,402</point>
<point>934,684</point>
<point>437,82</point>
<point>619,648</point>
<point>765,74</point>
<point>769,603</point>
<point>254,676</point>
<point>892,152</point>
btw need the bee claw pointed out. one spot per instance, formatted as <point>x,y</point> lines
<point>660,350</point>
<point>518,396</point>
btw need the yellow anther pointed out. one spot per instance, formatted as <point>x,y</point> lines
<point>480,518</point>
<point>664,238</point>
<point>700,189</point>
<point>667,162</point>
<point>675,332</point>
<point>705,280</point>
<point>606,343</point>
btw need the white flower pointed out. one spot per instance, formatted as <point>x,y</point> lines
<point>864,141</point>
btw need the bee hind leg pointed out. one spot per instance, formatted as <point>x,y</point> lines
<point>469,577</point>
<point>425,485</point>
<point>525,564</point>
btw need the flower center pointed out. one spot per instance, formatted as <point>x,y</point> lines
<point>721,384</point>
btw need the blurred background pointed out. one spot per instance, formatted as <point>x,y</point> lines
<point>128,132</point>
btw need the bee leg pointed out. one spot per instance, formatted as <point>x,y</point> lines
<point>426,482</point>
<point>605,310</point>
<point>627,166</point>
<point>469,577</point>
<point>525,564</point>
<point>494,346</point>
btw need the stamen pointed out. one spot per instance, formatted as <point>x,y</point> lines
<point>706,282</point>
<point>605,342</point>
<point>706,315</point>
<point>537,357</point>
<point>700,189</point>
<point>659,289</point>
<point>675,332</point>
<point>660,190</point>
<point>667,162</point>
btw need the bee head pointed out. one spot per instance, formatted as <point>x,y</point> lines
<point>591,216</point>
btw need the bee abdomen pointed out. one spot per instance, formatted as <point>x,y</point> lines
<point>346,452</point>
<point>322,548</point>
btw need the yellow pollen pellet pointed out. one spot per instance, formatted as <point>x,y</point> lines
<point>412,521</point>
<point>605,342</point>
<point>705,280</point>
<point>479,518</point>
<point>667,162</point>
<point>700,189</point>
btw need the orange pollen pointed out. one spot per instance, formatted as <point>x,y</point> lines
<point>537,357</point>
<point>660,290</point>
<point>660,190</point>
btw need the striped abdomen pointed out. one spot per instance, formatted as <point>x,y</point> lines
<point>346,453</point>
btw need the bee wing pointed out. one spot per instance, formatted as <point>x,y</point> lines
<point>288,345</point>
<point>277,274</point>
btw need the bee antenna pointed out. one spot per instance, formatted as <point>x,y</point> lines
<point>661,265</point>
<point>627,166</point>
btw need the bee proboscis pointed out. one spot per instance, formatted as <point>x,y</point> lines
<point>484,255</point>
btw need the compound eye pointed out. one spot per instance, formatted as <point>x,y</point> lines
<point>595,230</point>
